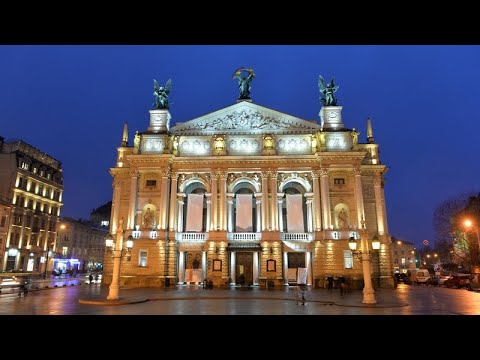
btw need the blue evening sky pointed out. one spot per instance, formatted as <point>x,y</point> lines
<point>71,102</point>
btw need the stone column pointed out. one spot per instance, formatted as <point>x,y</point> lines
<point>285,268</point>
<point>232,267</point>
<point>223,210</point>
<point>163,216</point>
<point>377,183</point>
<point>181,267</point>
<point>209,210</point>
<point>265,222</point>
<point>309,201</point>
<point>173,202</point>
<point>357,173</point>
<point>213,217</point>
<point>180,197</point>
<point>255,268</point>
<point>117,189</point>
<point>280,211</point>
<point>204,264</point>
<point>325,191</point>
<point>230,211</point>
<point>308,265</point>
<point>258,202</point>
<point>316,201</point>
<point>132,205</point>
<point>273,200</point>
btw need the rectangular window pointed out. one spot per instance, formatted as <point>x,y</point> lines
<point>142,258</point>
<point>151,183</point>
<point>4,219</point>
<point>410,260</point>
<point>64,251</point>
<point>348,259</point>
<point>403,261</point>
<point>339,181</point>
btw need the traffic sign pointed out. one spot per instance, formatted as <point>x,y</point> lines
<point>425,242</point>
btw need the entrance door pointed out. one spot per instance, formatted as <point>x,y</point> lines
<point>244,270</point>
<point>295,260</point>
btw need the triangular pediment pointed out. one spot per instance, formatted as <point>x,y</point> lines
<point>245,118</point>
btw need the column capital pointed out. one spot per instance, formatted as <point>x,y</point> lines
<point>134,173</point>
<point>222,175</point>
<point>323,171</point>
<point>272,174</point>
<point>264,175</point>
<point>166,172</point>
<point>357,171</point>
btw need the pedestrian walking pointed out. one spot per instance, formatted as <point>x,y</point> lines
<point>90,279</point>
<point>329,282</point>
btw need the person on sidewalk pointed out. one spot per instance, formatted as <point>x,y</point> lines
<point>90,279</point>
<point>329,282</point>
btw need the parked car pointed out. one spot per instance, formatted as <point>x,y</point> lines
<point>458,281</point>
<point>438,280</point>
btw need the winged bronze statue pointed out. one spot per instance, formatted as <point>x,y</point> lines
<point>328,91</point>
<point>161,94</point>
<point>244,81</point>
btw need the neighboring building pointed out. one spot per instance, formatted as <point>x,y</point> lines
<point>80,246</point>
<point>31,181</point>
<point>404,255</point>
<point>247,195</point>
<point>5,212</point>
<point>100,216</point>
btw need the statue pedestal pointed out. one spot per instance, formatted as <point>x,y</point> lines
<point>331,117</point>
<point>159,121</point>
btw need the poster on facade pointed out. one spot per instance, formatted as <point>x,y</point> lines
<point>194,213</point>
<point>302,276</point>
<point>292,274</point>
<point>244,213</point>
<point>295,213</point>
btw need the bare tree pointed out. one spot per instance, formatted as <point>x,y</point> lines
<point>450,231</point>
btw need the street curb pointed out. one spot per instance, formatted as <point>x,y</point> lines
<point>128,302</point>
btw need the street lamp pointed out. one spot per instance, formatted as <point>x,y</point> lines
<point>469,224</point>
<point>365,256</point>
<point>115,248</point>
<point>49,245</point>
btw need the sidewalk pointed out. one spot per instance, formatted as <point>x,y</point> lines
<point>386,298</point>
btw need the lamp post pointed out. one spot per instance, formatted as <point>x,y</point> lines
<point>469,224</point>
<point>46,259</point>
<point>115,248</point>
<point>365,256</point>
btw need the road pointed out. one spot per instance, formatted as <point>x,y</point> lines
<point>405,300</point>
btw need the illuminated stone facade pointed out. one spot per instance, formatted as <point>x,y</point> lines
<point>182,193</point>
<point>31,181</point>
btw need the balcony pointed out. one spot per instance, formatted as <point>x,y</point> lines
<point>191,237</point>
<point>299,237</point>
<point>249,236</point>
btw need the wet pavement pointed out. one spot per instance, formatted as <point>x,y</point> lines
<point>88,299</point>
